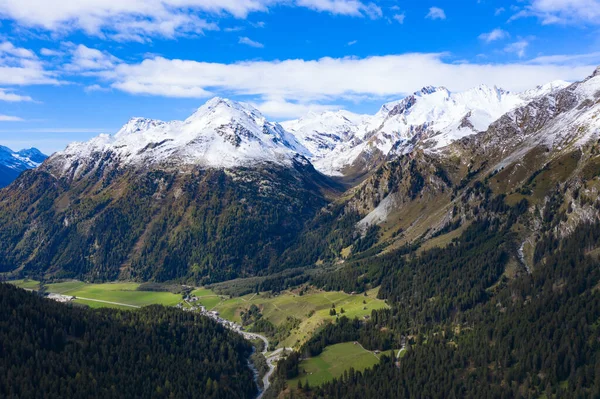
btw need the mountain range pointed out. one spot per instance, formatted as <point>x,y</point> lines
<point>227,194</point>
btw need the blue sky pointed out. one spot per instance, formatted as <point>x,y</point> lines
<point>71,69</point>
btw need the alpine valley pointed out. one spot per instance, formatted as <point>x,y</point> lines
<point>474,215</point>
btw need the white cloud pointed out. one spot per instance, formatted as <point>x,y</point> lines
<point>84,58</point>
<point>570,59</point>
<point>51,53</point>
<point>352,43</point>
<point>59,130</point>
<point>279,108</point>
<point>517,48</point>
<point>95,88</point>
<point>249,42</point>
<point>137,20</point>
<point>20,66</point>
<point>562,11</point>
<point>234,29</point>
<point>9,96</point>
<point>295,83</point>
<point>436,13</point>
<point>343,7</point>
<point>496,34</point>
<point>9,49</point>
<point>8,118</point>
<point>399,18</point>
<point>499,11</point>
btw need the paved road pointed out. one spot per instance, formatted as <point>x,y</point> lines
<point>271,358</point>
<point>251,336</point>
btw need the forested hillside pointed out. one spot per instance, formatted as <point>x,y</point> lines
<point>50,350</point>
<point>472,331</point>
<point>200,226</point>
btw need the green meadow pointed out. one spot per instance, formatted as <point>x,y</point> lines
<point>118,293</point>
<point>332,363</point>
<point>311,308</point>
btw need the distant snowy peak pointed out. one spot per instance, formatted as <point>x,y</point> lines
<point>12,163</point>
<point>21,160</point>
<point>221,133</point>
<point>543,90</point>
<point>322,132</point>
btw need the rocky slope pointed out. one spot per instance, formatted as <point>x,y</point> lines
<point>545,153</point>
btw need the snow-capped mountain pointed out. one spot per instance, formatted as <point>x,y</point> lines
<point>433,116</point>
<point>221,134</point>
<point>227,134</point>
<point>321,133</point>
<point>12,163</point>
<point>561,121</point>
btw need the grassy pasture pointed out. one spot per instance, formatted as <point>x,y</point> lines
<point>312,309</point>
<point>26,284</point>
<point>332,363</point>
<point>125,293</point>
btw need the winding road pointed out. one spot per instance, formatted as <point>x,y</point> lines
<point>271,359</point>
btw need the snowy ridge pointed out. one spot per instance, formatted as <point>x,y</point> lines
<point>221,134</point>
<point>226,134</point>
<point>433,116</point>
<point>561,121</point>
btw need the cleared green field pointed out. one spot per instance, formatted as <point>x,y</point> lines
<point>120,293</point>
<point>207,297</point>
<point>312,309</point>
<point>26,284</point>
<point>332,363</point>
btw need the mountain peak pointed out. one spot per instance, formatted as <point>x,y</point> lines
<point>596,72</point>
<point>222,133</point>
<point>224,110</point>
<point>138,124</point>
<point>430,90</point>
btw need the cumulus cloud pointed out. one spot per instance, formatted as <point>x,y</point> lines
<point>343,7</point>
<point>51,53</point>
<point>281,109</point>
<point>249,42</point>
<point>7,48</point>
<point>496,34</point>
<point>8,96</point>
<point>84,58</point>
<point>570,59</point>
<point>287,87</point>
<point>137,20</point>
<point>436,13</point>
<point>9,118</point>
<point>20,66</point>
<point>562,11</point>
